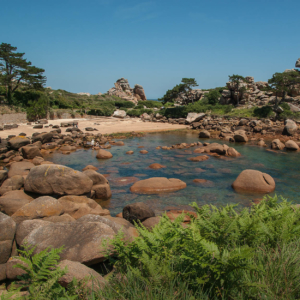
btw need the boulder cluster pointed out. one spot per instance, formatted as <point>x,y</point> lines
<point>123,90</point>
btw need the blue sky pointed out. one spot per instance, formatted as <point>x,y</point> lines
<point>85,46</point>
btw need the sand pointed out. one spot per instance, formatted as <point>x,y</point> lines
<point>105,125</point>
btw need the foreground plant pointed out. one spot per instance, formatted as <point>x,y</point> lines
<point>218,253</point>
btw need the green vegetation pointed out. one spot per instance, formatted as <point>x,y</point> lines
<point>17,72</point>
<point>224,253</point>
<point>236,81</point>
<point>184,87</point>
<point>283,83</point>
<point>199,106</point>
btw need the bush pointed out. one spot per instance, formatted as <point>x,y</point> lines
<point>221,251</point>
<point>138,112</point>
<point>285,106</point>
<point>126,104</point>
<point>263,112</point>
<point>101,111</point>
<point>150,103</point>
<point>37,109</point>
<point>213,97</point>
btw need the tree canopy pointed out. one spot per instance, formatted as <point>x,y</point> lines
<point>283,83</point>
<point>236,81</point>
<point>184,87</point>
<point>16,71</point>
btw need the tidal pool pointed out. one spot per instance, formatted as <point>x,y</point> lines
<point>220,172</point>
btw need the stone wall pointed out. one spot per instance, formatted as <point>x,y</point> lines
<point>13,118</point>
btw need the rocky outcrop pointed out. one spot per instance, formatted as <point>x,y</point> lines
<point>57,179</point>
<point>297,64</point>
<point>17,142</point>
<point>157,185</point>
<point>240,136</point>
<point>252,181</point>
<point>123,90</point>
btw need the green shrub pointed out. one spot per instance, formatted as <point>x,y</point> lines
<point>138,112</point>
<point>216,251</point>
<point>126,104</point>
<point>213,97</point>
<point>263,112</point>
<point>101,111</point>
<point>37,109</point>
<point>151,103</point>
<point>285,106</point>
<point>139,106</point>
<point>42,274</point>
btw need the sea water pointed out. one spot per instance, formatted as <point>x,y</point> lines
<point>219,173</point>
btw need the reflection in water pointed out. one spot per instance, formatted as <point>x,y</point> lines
<point>221,172</point>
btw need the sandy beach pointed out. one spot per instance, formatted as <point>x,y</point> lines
<point>104,125</point>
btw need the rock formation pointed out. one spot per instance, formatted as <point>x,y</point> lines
<point>123,90</point>
<point>297,64</point>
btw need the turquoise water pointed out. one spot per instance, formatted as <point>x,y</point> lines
<point>221,173</point>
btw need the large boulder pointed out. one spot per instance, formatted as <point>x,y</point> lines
<point>3,176</point>
<point>137,212</point>
<point>82,241</point>
<point>116,224</point>
<point>194,117</point>
<point>277,145</point>
<point>103,154</point>
<point>83,274</point>
<point>26,227</point>
<point>157,185</point>
<point>297,64</point>
<point>138,92</point>
<point>17,142</point>
<point>289,128</point>
<point>79,206</point>
<point>57,179</point>
<point>289,145</point>
<point>11,184</point>
<point>204,134</point>
<point>11,201</point>
<point>240,136</point>
<point>252,181</point>
<point>100,185</point>
<point>43,137</point>
<point>7,234</point>
<point>20,168</point>
<point>217,148</point>
<point>232,152</point>
<point>31,151</point>
<point>119,114</point>
<point>39,208</point>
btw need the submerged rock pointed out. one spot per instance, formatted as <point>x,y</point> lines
<point>157,185</point>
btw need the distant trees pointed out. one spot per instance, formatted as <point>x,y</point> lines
<point>16,71</point>
<point>283,83</point>
<point>184,87</point>
<point>236,88</point>
<point>213,97</point>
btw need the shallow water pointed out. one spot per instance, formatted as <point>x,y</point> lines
<point>221,173</point>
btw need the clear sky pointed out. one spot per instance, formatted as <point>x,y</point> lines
<point>85,46</point>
